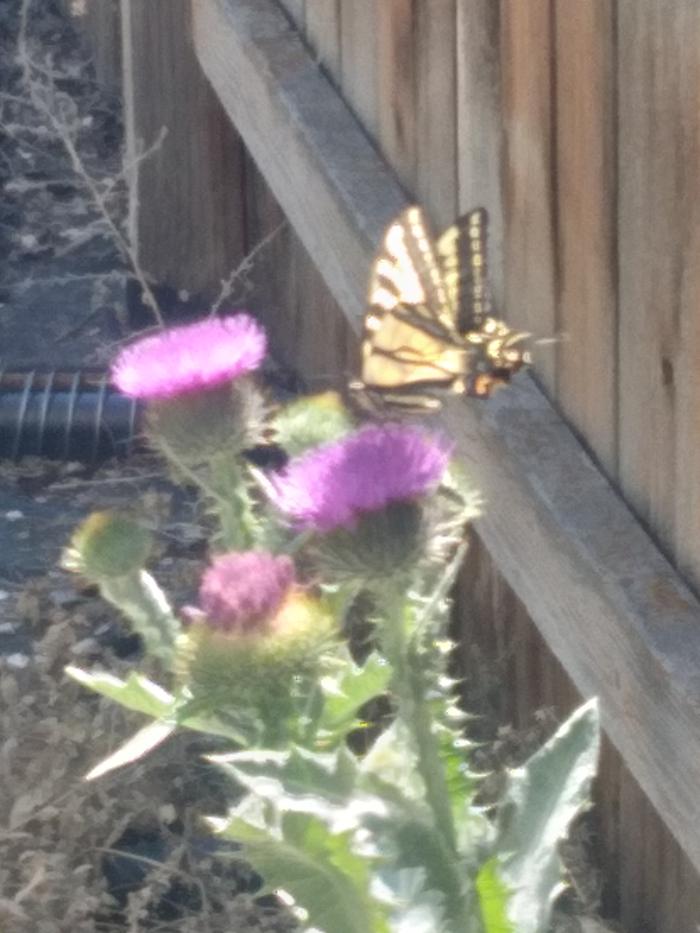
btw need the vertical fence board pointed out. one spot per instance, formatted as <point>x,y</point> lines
<point>396,92</point>
<point>308,333</point>
<point>530,255</point>
<point>186,197</point>
<point>99,22</point>
<point>658,221</point>
<point>358,36</point>
<point>323,32</point>
<point>659,339</point>
<point>586,200</point>
<point>480,122</point>
<point>436,113</point>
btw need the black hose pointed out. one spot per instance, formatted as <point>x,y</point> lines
<point>65,415</point>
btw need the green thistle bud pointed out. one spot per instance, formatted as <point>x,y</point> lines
<point>108,545</point>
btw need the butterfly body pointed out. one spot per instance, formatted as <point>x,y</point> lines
<point>429,331</point>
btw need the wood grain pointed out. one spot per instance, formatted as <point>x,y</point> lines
<point>396,90</point>
<point>297,11</point>
<point>530,245</point>
<point>659,220</point>
<point>99,22</point>
<point>359,56</point>
<point>480,130</point>
<point>586,178</point>
<point>332,185</point>
<point>323,33</point>
<point>186,216</point>
<point>435,182</point>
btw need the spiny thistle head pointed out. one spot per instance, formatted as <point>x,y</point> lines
<point>366,494</point>
<point>187,359</point>
<point>194,378</point>
<point>107,545</point>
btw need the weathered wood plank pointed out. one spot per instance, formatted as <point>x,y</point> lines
<point>359,55</point>
<point>607,602</point>
<point>436,114</point>
<point>323,32</point>
<point>297,11</point>
<point>659,231</point>
<point>659,345</point>
<point>186,216</point>
<point>396,90</point>
<point>480,131</point>
<point>335,189</point>
<point>586,201</point>
<point>530,247</point>
<point>99,21</point>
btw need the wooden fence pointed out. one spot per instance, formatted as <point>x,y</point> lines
<point>576,123</point>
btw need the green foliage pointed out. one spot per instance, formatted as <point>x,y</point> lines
<point>297,851</point>
<point>310,421</point>
<point>542,799</point>
<point>345,691</point>
<point>388,841</point>
<point>493,899</point>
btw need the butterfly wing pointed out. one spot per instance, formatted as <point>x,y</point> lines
<point>496,353</point>
<point>461,253</point>
<point>410,344</point>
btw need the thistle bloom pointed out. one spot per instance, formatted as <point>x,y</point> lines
<point>190,358</point>
<point>334,485</point>
<point>240,592</point>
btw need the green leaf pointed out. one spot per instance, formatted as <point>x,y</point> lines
<point>415,908</point>
<point>296,780</point>
<point>141,744</point>
<point>346,691</point>
<point>493,899</point>
<point>136,692</point>
<point>319,868</point>
<point>541,800</point>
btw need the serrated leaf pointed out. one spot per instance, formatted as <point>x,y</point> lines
<point>347,690</point>
<point>541,800</point>
<point>317,867</point>
<point>302,781</point>
<point>494,897</point>
<point>137,692</point>
<point>141,744</point>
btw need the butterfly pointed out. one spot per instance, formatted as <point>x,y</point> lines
<point>428,329</point>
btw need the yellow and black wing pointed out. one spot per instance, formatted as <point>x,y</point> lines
<point>411,348</point>
<point>496,351</point>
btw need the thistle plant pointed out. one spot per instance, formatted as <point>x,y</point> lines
<point>370,824</point>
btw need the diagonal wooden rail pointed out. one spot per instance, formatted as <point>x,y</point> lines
<point>609,604</point>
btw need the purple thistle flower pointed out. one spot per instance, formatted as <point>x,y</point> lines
<point>333,485</point>
<point>240,592</point>
<point>196,356</point>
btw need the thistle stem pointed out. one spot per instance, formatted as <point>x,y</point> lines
<point>233,503</point>
<point>413,708</point>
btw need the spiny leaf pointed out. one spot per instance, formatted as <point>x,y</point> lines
<point>136,692</point>
<point>347,690</point>
<point>541,800</point>
<point>141,744</point>
<point>318,868</point>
